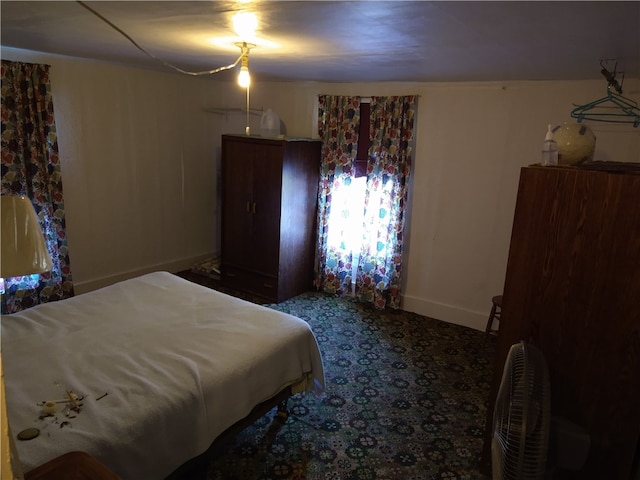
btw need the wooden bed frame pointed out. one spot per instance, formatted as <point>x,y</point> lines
<point>200,463</point>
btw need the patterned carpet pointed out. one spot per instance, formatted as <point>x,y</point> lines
<point>406,399</point>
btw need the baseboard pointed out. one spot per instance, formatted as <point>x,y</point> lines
<point>446,313</point>
<point>173,267</point>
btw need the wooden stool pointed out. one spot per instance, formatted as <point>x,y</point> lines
<point>496,311</point>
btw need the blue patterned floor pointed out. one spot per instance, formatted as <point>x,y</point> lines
<point>406,399</point>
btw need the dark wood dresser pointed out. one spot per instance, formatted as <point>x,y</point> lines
<point>269,205</point>
<point>572,288</point>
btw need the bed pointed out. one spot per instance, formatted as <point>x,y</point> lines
<point>162,367</point>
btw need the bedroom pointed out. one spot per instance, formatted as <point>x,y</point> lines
<point>140,157</point>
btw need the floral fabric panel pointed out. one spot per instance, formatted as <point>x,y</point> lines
<point>380,222</point>
<point>31,167</point>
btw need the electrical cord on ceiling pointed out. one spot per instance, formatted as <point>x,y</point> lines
<point>206,72</point>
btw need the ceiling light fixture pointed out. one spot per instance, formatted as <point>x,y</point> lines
<point>244,78</point>
<point>245,23</point>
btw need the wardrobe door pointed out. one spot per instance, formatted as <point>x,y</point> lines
<point>265,208</point>
<point>237,180</point>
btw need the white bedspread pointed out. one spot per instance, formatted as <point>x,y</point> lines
<point>180,363</point>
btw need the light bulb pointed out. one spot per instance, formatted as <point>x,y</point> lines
<point>244,79</point>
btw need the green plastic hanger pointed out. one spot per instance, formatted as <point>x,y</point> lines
<point>611,108</point>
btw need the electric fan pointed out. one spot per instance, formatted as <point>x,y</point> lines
<point>521,416</point>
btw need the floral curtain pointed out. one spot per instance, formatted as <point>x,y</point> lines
<point>338,121</point>
<point>31,167</point>
<point>377,221</point>
<point>380,266</point>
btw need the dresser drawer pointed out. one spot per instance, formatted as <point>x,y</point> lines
<point>251,282</point>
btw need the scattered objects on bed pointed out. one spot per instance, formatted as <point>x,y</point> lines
<point>145,374</point>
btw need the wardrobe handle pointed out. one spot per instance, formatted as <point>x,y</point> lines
<point>248,211</point>
<point>253,208</point>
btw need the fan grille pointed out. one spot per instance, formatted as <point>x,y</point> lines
<point>521,416</point>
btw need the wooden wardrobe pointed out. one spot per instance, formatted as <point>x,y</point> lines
<point>572,288</point>
<point>269,205</point>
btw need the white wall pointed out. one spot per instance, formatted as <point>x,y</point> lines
<point>471,141</point>
<point>140,159</point>
<point>138,156</point>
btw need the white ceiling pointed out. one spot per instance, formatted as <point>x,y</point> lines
<point>370,41</point>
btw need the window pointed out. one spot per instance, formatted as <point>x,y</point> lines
<point>362,157</point>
